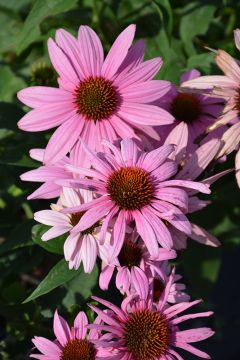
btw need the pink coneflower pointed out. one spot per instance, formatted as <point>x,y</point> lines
<point>227,87</point>
<point>192,168</point>
<point>142,330</point>
<point>71,343</point>
<point>81,246</point>
<point>159,279</point>
<point>132,264</point>
<point>97,99</point>
<point>193,114</point>
<point>46,174</point>
<point>134,185</point>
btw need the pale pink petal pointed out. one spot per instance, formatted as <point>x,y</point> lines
<point>146,92</point>
<point>37,154</point>
<point>175,196</point>
<point>61,329</point>
<point>134,57</point>
<point>179,137</point>
<point>89,252</point>
<point>194,335</point>
<point>196,163</point>
<point>61,63</point>
<point>209,82</point>
<point>70,246</point>
<point>140,282</point>
<point>228,65</point>
<point>38,96</point>
<point>46,346</point>
<point>203,236</point>
<point>43,173</point>
<point>69,45</point>
<point>146,232</point>
<point>237,38</point>
<point>91,51</point>
<point>51,218</point>
<point>63,139</point>
<point>144,72</point>
<point>52,116</point>
<point>118,52</point>
<point>129,152</point>
<point>105,277</point>
<point>117,240</point>
<point>192,350</point>
<point>93,215</point>
<point>231,139</point>
<point>165,171</point>
<point>144,114</point>
<point>80,325</point>
<point>187,184</point>
<point>55,232</point>
<point>237,165</point>
<point>122,128</point>
<point>123,279</point>
<point>156,158</point>
<point>46,191</point>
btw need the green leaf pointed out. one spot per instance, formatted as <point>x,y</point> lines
<point>9,83</point>
<point>81,285</point>
<point>195,21</point>
<point>40,10</point>
<point>202,62</point>
<point>54,245</point>
<point>58,275</point>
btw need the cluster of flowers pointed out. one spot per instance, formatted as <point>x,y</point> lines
<point>125,163</point>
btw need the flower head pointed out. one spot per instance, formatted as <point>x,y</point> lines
<point>133,264</point>
<point>134,186</point>
<point>80,247</point>
<point>71,343</point>
<point>193,114</point>
<point>228,88</point>
<point>96,98</point>
<point>143,330</point>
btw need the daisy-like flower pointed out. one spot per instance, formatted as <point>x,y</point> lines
<point>79,247</point>
<point>71,343</point>
<point>97,98</point>
<point>134,185</point>
<point>159,279</point>
<point>192,168</point>
<point>143,330</point>
<point>193,114</point>
<point>46,174</point>
<point>132,264</point>
<point>228,87</point>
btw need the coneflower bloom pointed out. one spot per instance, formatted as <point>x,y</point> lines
<point>97,99</point>
<point>228,87</point>
<point>143,330</point>
<point>132,264</point>
<point>193,114</point>
<point>79,247</point>
<point>158,281</point>
<point>71,343</point>
<point>46,174</point>
<point>134,185</point>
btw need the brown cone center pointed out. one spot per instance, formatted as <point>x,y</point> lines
<point>78,349</point>
<point>96,98</point>
<point>130,188</point>
<point>146,335</point>
<point>130,255</point>
<point>186,107</point>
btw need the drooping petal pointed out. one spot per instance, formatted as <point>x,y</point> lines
<point>63,139</point>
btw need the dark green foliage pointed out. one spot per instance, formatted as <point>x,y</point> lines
<point>176,30</point>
